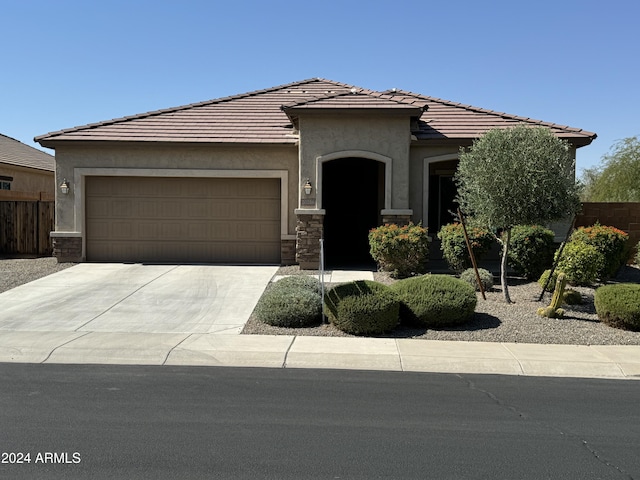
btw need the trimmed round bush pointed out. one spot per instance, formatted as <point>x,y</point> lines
<point>454,247</point>
<point>581,263</point>
<point>362,307</point>
<point>306,282</point>
<point>486,278</point>
<point>610,242</point>
<point>619,305</point>
<point>434,301</point>
<point>638,254</point>
<point>401,250</point>
<point>291,302</point>
<point>531,250</point>
<point>571,297</point>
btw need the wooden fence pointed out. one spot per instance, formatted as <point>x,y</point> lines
<point>25,226</point>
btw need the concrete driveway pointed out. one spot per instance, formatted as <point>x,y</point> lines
<point>136,298</point>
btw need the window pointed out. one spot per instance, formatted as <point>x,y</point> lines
<point>5,183</point>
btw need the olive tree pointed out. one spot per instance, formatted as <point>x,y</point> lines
<point>617,179</point>
<point>515,176</point>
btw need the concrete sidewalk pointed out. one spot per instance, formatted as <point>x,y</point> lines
<point>274,351</point>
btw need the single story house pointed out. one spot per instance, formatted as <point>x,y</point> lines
<point>25,172</point>
<point>262,176</point>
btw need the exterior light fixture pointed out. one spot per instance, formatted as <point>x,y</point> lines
<point>307,187</point>
<point>64,187</point>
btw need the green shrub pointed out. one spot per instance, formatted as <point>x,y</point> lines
<point>571,297</point>
<point>638,254</point>
<point>401,250</point>
<point>531,250</point>
<point>619,305</point>
<point>306,282</point>
<point>486,278</point>
<point>291,302</point>
<point>581,263</point>
<point>362,307</point>
<point>552,283</point>
<point>435,301</point>
<point>610,242</point>
<point>454,247</point>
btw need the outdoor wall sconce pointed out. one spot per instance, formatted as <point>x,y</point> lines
<point>307,187</point>
<point>64,187</point>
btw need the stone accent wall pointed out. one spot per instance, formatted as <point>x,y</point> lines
<point>400,220</point>
<point>622,215</point>
<point>287,252</point>
<point>67,249</point>
<point>308,235</point>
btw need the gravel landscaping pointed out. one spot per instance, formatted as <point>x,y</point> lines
<point>494,321</point>
<point>17,271</point>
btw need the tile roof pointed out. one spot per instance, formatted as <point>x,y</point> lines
<point>357,101</point>
<point>265,116</point>
<point>444,119</point>
<point>13,152</point>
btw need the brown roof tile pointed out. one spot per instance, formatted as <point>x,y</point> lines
<point>445,119</point>
<point>13,152</point>
<point>261,117</point>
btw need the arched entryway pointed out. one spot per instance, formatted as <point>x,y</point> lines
<point>352,196</point>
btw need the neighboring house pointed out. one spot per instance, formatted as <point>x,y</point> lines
<point>25,172</point>
<point>260,177</point>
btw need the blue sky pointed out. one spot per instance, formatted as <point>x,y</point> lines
<point>69,63</point>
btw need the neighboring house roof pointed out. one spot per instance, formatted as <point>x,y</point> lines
<point>13,152</point>
<point>267,116</point>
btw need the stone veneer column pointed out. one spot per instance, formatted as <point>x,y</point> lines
<point>67,249</point>
<point>287,251</point>
<point>400,220</point>
<point>308,234</point>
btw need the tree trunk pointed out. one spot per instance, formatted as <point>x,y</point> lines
<point>503,267</point>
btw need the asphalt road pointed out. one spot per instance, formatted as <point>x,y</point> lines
<point>231,423</point>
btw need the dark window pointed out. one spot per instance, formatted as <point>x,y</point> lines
<point>5,183</point>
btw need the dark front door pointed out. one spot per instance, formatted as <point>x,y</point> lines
<point>442,195</point>
<point>447,205</point>
<point>352,195</point>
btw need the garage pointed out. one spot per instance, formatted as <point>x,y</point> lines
<point>178,219</point>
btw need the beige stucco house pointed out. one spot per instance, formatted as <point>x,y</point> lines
<point>25,172</point>
<point>261,177</point>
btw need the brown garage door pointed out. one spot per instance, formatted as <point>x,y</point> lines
<point>147,219</point>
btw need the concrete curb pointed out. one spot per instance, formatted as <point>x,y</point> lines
<point>283,351</point>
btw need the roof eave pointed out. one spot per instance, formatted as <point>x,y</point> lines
<point>56,143</point>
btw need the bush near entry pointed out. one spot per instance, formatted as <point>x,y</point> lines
<point>401,250</point>
<point>434,301</point>
<point>363,307</point>
<point>619,305</point>
<point>291,302</point>
<point>454,247</point>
